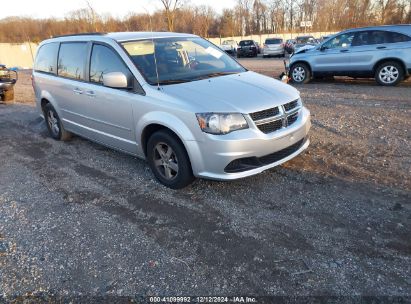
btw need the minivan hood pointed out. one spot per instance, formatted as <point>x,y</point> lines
<point>244,93</point>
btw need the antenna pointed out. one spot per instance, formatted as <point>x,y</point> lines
<point>154,47</point>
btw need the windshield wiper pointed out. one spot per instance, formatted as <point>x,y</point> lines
<point>183,80</point>
<point>173,81</point>
<point>215,75</point>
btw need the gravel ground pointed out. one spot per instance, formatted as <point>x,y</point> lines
<point>77,218</point>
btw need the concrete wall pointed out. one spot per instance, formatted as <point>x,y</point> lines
<point>21,55</point>
<point>17,55</point>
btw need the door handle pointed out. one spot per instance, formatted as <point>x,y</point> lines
<point>77,91</point>
<point>90,93</point>
<point>381,47</point>
<point>344,51</point>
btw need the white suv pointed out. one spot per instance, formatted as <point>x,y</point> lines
<point>174,99</point>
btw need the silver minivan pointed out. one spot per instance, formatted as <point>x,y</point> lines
<point>176,100</point>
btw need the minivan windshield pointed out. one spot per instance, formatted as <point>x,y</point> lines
<point>179,60</point>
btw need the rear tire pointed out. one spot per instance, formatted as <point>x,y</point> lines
<point>389,73</point>
<point>300,73</point>
<point>168,160</point>
<point>54,124</point>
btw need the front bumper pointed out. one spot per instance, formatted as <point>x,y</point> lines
<point>214,154</point>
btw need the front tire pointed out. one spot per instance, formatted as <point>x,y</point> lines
<point>300,73</point>
<point>168,160</point>
<point>54,124</point>
<point>389,73</point>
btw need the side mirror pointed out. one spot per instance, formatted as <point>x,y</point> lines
<point>115,80</point>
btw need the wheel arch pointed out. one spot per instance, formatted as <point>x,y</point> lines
<point>304,62</point>
<point>47,98</point>
<point>398,60</point>
<point>152,128</point>
<point>155,121</point>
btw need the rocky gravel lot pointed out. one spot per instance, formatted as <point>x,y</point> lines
<point>78,219</point>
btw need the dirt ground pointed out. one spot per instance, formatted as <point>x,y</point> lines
<point>79,219</point>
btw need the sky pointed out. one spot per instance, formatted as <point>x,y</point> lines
<point>117,8</point>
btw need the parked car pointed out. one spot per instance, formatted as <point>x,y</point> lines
<point>230,47</point>
<point>382,52</point>
<point>8,79</point>
<point>289,45</point>
<point>273,47</point>
<point>173,99</point>
<point>303,41</point>
<point>247,48</point>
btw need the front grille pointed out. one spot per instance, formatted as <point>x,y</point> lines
<point>265,113</point>
<point>291,105</point>
<point>248,163</point>
<point>283,116</point>
<point>271,126</point>
<point>292,118</point>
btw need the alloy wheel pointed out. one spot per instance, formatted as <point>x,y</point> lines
<point>388,74</point>
<point>53,123</point>
<point>165,161</point>
<point>298,74</point>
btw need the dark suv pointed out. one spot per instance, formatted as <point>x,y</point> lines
<point>247,48</point>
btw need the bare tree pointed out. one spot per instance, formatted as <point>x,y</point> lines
<point>93,15</point>
<point>247,17</point>
<point>170,7</point>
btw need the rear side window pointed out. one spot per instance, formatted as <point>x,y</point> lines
<point>72,59</point>
<point>46,59</point>
<point>105,60</point>
<point>393,37</point>
<point>379,37</point>
<point>273,41</point>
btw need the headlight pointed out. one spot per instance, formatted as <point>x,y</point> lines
<point>221,123</point>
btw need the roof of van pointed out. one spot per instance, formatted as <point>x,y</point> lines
<point>125,36</point>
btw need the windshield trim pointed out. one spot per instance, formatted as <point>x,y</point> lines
<point>120,43</point>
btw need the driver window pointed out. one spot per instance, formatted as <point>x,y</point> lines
<point>104,60</point>
<point>341,41</point>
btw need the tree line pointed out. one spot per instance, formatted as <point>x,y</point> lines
<point>247,17</point>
